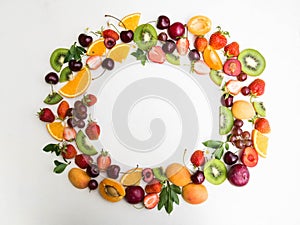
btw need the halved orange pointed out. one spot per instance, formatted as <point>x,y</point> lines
<point>212,59</point>
<point>96,48</point>
<point>119,52</point>
<point>260,142</point>
<point>131,21</point>
<point>78,85</point>
<point>199,25</point>
<point>132,177</point>
<point>56,130</point>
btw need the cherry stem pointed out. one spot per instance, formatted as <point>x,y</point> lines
<point>94,78</point>
<point>114,27</point>
<point>117,19</point>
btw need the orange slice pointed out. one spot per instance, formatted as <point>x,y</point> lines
<point>199,25</point>
<point>132,177</point>
<point>56,130</point>
<point>130,21</point>
<point>212,59</point>
<point>96,48</point>
<point>119,52</point>
<point>260,142</point>
<point>77,85</point>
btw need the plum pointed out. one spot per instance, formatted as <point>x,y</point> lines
<point>134,194</point>
<point>238,175</point>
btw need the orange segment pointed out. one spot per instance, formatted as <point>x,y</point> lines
<point>199,25</point>
<point>132,177</point>
<point>130,21</point>
<point>56,130</point>
<point>78,85</point>
<point>212,59</point>
<point>260,142</point>
<point>96,48</point>
<point>119,52</point>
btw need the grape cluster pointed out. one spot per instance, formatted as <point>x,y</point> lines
<point>238,137</point>
<point>78,114</point>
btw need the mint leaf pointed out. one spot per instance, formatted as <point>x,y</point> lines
<point>219,152</point>
<point>139,54</point>
<point>213,144</point>
<point>59,166</point>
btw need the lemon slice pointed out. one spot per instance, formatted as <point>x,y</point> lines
<point>132,177</point>
<point>119,52</point>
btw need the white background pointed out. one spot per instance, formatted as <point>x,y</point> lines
<point>31,194</point>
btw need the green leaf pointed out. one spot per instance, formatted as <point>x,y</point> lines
<point>59,166</point>
<point>169,207</point>
<point>50,148</point>
<point>213,144</point>
<point>226,146</point>
<point>174,197</point>
<point>219,152</point>
<point>175,188</point>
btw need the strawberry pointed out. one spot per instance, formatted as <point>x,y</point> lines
<point>103,160</point>
<point>200,43</point>
<point>257,87</point>
<point>262,125</point>
<point>218,39</point>
<point>197,158</point>
<point>232,49</point>
<point>182,46</point>
<point>62,109</point>
<point>69,133</point>
<point>83,161</point>
<point>69,151</point>
<point>94,62</point>
<point>151,200</point>
<point>92,130</point>
<point>89,100</point>
<point>157,55</point>
<point>46,115</point>
<point>110,33</point>
<point>153,186</point>
<point>233,87</point>
<point>200,67</point>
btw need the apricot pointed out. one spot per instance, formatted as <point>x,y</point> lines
<point>111,190</point>
<point>178,174</point>
<point>243,110</point>
<point>79,178</point>
<point>194,193</point>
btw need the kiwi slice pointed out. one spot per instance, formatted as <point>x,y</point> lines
<point>57,58</point>
<point>216,76</point>
<point>225,120</point>
<point>84,145</point>
<point>253,63</point>
<point>259,108</point>
<point>65,74</point>
<point>159,174</point>
<point>215,171</point>
<point>173,59</point>
<point>145,36</point>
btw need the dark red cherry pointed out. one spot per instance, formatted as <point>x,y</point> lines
<point>163,22</point>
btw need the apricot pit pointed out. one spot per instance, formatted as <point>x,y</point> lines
<point>111,190</point>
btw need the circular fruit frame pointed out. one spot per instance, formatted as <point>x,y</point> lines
<point>243,127</point>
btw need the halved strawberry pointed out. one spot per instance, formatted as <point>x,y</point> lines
<point>182,46</point>
<point>151,200</point>
<point>200,67</point>
<point>94,62</point>
<point>233,87</point>
<point>69,133</point>
<point>157,55</point>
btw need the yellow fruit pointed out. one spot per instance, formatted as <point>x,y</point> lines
<point>96,48</point>
<point>56,130</point>
<point>243,110</point>
<point>119,52</point>
<point>212,59</point>
<point>78,85</point>
<point>79,178</point>
<point>132,177</point>
<point>199,25</point>
<point>131,21</point>
<point>178,174</point>
<point>260,142</point>
<point>194,193</point>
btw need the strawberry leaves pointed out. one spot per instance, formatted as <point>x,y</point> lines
<point>168,196</point>
<point>75,52</point>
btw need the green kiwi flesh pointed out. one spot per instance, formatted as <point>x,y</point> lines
<point>84,145</point>
<point>145,36</point>
<point>215,171</point>
<point>57,58</point>
<point>159,174</point>
<point>253,63</point>
<point>216,76</point>
<point>65,74</point>
<point>225,120</point>
<point>173,59</point>
<point>259,108</point>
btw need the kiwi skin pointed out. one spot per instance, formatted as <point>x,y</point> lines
<point>226,120</point>
<point>215,171</point>
<point>250,56</point>
<point>57,58</point>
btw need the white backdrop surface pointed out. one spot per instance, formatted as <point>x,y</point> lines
<point>30,194</point>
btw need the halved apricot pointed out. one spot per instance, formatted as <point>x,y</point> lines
<point>111,190</point>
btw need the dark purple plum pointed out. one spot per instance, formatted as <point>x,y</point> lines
<point>238,175</point>
<point>134,194</point>
<point>176,30</point>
